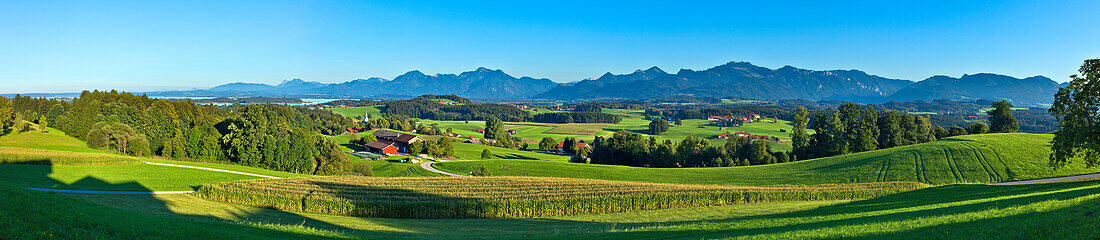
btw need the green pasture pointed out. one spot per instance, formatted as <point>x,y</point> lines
<point>964,159</point>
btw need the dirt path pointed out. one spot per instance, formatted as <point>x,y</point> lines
<point>211,169</point>
<point>109,192</point>
<point>428,166</point>
<point>1044,180</point>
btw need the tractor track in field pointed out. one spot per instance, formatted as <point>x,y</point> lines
<point>951,164</point>
<point>994,176</point>
<point>921,175</point>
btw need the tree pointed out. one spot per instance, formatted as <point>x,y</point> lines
<point>486,154</point>
<point>800,140</point>
<point>447,145</point>
<point>940,132</point>
<point>7,113</point>
<point>494,129</point>
<point>977,128</point>
<point>1075,106</point>
<point>890,133</point>
<point>42,123</point>
<point>416,147</point>
<point>548,144</point>
<point>658,126</point>
<point>569,146</point>
<point>956,131</point>
<point>1001,119</point>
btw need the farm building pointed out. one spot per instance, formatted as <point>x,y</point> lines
<point>722,136</point>
<point>580,145</point>
<point>400,140</point>
<point>383,147</point>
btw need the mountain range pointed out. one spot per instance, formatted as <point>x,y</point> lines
<point>733,79</point>
<point>480,83</point>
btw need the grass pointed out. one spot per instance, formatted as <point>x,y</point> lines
<point>357,112</point>
<point>1041,211</point>
<point>486,197</point>
<point>964,159</point>
<point>27,214</point>
<point>54,140</point>
<point>52,157</point>
<point>54,160</point>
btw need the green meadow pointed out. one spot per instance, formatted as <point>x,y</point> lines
<point>964,159</point>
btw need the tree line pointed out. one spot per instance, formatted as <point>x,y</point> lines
<point>632,149</point>
<point>277,137</point>
<point>852,128</point>
<point>576,117</point>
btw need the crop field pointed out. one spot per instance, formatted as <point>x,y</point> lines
<point>964,159</point>
<point>485,197</point>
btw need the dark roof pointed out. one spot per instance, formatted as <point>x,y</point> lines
<point>405,138</point>
<point>386,134</point>
<point>379,144</point>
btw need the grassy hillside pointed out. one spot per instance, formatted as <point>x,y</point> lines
<point>964,159</point>
<point>55,160</point>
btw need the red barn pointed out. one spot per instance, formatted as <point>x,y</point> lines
<point>385,148</point>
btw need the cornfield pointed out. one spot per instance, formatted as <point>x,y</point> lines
<point>494,197</point>
<point>51,157</point>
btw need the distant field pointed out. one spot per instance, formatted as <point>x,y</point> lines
<point>632,121</point>
<point>483,197</point>
<point>964,159</point>
<point>357,112</point>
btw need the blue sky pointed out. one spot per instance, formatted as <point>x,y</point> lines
<point>61,46</point>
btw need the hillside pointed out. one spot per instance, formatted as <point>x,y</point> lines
<point>964,159</point>
<point>733,79</point>
<point>1027,92</point>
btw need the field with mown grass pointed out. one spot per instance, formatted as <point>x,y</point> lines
<point>965,159</point>
<point>357,112</point>
<point>55,160</point>
<point>487,197</point>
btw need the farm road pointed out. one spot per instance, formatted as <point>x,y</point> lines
<point>211,169</point>
<point>428,166</point>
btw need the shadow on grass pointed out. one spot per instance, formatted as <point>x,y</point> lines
<point>149,204</point>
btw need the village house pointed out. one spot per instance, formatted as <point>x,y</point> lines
<point>385,148</point>
<point>387,138</point>
<point>580,145</point>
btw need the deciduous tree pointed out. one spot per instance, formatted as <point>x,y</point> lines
<point>1077,107</point>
